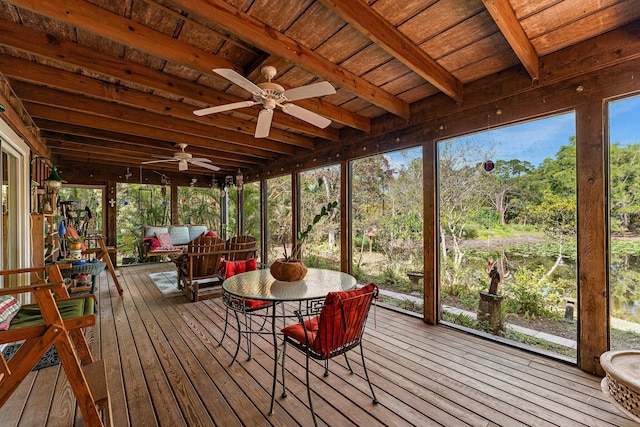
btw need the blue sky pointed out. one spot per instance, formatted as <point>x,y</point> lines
<point>624,119</point>
<point>536,140</point>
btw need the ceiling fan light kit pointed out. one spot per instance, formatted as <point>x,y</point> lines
<point>184,159</point>
<point>272,95</point>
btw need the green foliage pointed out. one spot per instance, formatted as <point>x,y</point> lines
<point>302,235</point>
<point>531,294</point>
<point>540,343</point>
<point>460,319</point>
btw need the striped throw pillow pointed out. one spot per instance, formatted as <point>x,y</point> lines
<point>9,307</point>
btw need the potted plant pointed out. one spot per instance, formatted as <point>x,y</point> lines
<point>291,268</point>
<point>75,243</point>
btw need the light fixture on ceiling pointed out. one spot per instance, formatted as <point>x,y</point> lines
<point>53,181</point>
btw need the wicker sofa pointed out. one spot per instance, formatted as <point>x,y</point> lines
<point>170,239</point>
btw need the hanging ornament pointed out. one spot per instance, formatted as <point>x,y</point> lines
<point>489,165</point>
<point>62,229</point>
<point>125,203</point>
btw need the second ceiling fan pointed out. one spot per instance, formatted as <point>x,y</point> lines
<point>272,95</point>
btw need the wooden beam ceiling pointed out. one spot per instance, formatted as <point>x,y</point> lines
<point>506,19</point>
<point>250,29</point>
<point>370,23</point>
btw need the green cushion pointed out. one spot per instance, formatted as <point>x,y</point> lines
<point>69,309</point>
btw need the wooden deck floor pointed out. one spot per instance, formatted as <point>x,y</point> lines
<point>165,368</point>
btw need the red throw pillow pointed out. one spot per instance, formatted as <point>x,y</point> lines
<point>210,233</point>
<point>153,243</point>
<point>231,268</point>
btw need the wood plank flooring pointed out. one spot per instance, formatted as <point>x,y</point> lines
<point>165,368</point>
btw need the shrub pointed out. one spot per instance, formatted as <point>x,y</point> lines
<point>532,294</point>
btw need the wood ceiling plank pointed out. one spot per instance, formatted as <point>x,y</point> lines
<point>510,27</point>
<point>59,131</point>
<point>373,25</point>
<point>278,15</point>
<point>469,31</point>
<point>70,101</point>
<point>590,26</point>
<point>269,40</point>
<point>69,150</point>
<point>71,82</point>
<point>126,31</point>
<point>111,124</point>
<point>439,17</point>
<point>60,140</point>
<point>398,12</point>
<point>39,43</point>
<point>315,26</point>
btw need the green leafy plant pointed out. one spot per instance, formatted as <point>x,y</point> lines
<point>302,235</point>
<point>75,239</point>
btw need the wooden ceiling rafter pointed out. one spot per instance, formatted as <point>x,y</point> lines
<point>504,16</point>
<point>270,40</point>
<point>138,36</point>
<point>61,51</point>
<point>151,108</point>
<point>57,140</point>
<point>369,22</point>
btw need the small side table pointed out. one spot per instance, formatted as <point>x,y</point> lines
<point>92,268</point>
<point>622,383</point>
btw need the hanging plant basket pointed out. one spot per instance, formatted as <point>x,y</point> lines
<point>288,271</point>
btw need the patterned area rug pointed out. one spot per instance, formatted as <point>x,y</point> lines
<point>50,358</point>
<point>166,282</point>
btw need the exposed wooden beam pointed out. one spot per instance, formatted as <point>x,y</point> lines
<point>268,39</point>
<point>173,126</point>
<point>66,131</point>
<point>506,19</point>
<point>36,42</point>
<point>369,22</point>
<point>111,124</point>
<point>19,120</point>
<point>84,144</point>
<point>100,21</point>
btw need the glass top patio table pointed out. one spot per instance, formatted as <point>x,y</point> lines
<point>261,285</point>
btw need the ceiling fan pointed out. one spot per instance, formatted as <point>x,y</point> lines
<point>272,95</point>
<point>183,158</point>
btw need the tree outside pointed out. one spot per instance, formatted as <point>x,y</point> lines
<point>319,187</point>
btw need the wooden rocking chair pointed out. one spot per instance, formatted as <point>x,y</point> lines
<point>199,268</point>
<point>56,319</point>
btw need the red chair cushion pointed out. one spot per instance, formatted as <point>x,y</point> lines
<point>231,268</point>
<point>335,333</point>
<point>296,331</point>
<point>254,304</point>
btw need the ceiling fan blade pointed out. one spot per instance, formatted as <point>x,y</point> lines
<point>236,78</point>
<point>226,107</point>
<point>264,123</point>
<point>199,159</point>
<point>169,159</point>
<point>183,165</point>
<point>306,115</point>
<point>205,165</point>
<point>310,91</point>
